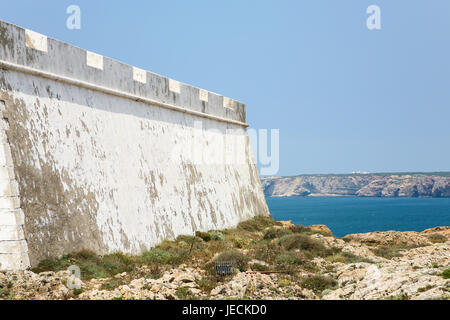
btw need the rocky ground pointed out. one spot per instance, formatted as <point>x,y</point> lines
<point>279,261</point>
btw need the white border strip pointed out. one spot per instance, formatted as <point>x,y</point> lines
<point>87,85</point>
<point>94,60</point>
<point>139,75</point>
<point>174,86</point>
<point>228,103</point>
<point>203,95</point>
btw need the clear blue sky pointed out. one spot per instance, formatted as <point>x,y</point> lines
<point>344,98</point>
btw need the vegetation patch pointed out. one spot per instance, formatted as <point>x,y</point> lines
<point>437,238</point>
<point>260,267</point>
<point>112,284</point>
<point>308,231</point>
<point>347,257</point>
<point>305,243</point>
<point>286,260</point>
<point>203,235</point>
<point>403,296</point>
<point>389,252</point>
<point>238,243</point>
<point>158,256</point>
<point>446,274</point>
<point>290,251</point>
<point>284,283</point>
<point>274,233</point>
<point>237,258</point>
<point>424,289</point>
<point>183,293</point>
<point>91,265</point>
<point>210,236</point>
<point>258,224</point>
<point>216,236</point>
<point>206,284</point>
<point>318,283</point>
<point>4,293</point>
<point>266,251</point>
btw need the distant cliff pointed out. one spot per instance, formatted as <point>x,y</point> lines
<point>361,185</point>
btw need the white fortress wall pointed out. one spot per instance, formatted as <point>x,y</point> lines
<point>100,155</point>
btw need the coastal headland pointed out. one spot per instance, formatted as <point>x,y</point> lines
<point>361,185</point>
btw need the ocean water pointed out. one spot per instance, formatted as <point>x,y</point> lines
<point>344,215</point>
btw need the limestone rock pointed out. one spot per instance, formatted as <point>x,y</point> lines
<point>363,185</point>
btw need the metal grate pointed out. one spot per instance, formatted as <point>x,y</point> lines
<point>223,268</point>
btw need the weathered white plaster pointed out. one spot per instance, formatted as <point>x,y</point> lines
<point>105,168</point>
<point>14,261</point>
<point>133,158</point>
<point>11,247</point>
<point>11,233</point>
<point>5,154</point>
<point>11,217</point>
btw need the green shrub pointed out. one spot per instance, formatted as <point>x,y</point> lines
<point>77,292</point>
<point>389,252</point>
<point>347,257</point>
<point>206,284</point>
<point>210,236</point>
<point>203,235</point>
<point>318,283</point>
<point>403,296</point>
<point>259,267</point>
<point>267,252</point>
<point>300,229</point>
<point>182,293</point>
<point>437,238</point>
<point>423,289</point>
<point>237,258</point>
<point>273,233</point>
<point>290,258</point>
<point>4,293</point>
<point>117,263</point>
<point>284,283</point>
<point>257,224</point>
<point>304,242</point>
<point>185,239</point>
<point>216,236</point>
<point>111,284</point>
<point>91,265</point>
<point>446,274</point>
<point>162,257</point>
<point>238,243</point>
<point>337,258</point>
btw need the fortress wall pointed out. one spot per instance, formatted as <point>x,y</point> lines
<point>100,155</point>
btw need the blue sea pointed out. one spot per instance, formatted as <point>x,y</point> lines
<point>344,215</point>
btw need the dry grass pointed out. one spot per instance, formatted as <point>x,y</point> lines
<point>261,238</point>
